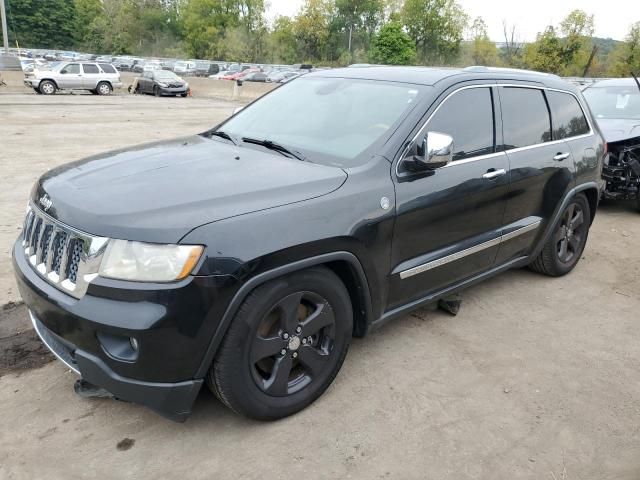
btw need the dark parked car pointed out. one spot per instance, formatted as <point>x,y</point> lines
<point>616,107</point>
<point>204,69</point>
<point>248,256</point>
<point>162,82</point>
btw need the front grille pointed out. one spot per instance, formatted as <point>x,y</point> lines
<point>67,258</point>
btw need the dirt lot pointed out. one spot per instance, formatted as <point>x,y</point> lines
<point>535,378</point>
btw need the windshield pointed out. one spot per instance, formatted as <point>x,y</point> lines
<point>614,102</point>
<point>181,64</point>
<point>330,120</point>
<point>166,75</point>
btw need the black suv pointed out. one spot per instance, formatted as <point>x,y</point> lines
<point>248,256</point>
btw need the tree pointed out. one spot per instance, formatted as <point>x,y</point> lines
<point>311,28</point>
<point>358,20</point>
<point>436,27</point>
<point>577,29</point>
<point>392,46</point>
<point>512,49</point>
<point>38,23</point>
<point>546,53</point>
<point>625,58</point>
<point>282,41</point>
<point>483,50</point>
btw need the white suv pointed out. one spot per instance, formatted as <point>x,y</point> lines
<point>97,77</point>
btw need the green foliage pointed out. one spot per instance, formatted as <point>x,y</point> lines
<point>41,22</point>
<point>480,50</point>
<point>393,46</point>
<point>625,58</point>
<point>311,28</point>
<point>436,26</point>
<point>546,53</point>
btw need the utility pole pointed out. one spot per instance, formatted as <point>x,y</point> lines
<point>7,62</point>
<point>5,32</point>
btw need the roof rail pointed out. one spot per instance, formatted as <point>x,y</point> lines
<point>482,68</point>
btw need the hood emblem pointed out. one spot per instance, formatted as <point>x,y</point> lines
<point>45,201</point>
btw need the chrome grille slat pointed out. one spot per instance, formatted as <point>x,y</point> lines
<point>67,258</point>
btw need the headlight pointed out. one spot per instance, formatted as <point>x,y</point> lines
<point>148,262</point>
<point>163,85</point>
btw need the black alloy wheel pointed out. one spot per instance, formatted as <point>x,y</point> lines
<point>285,345</point>
<point>293,343</point>
<point>570,233</point>
<point>563,250</point>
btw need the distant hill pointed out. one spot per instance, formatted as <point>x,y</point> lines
<point>605,45</point>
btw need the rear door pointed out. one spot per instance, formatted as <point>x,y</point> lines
<point>542,169</point>
<point>91,75</point>
<point>449,220</point>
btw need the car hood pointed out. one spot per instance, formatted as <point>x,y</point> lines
<point>159,192</point>
<point>615,129</point>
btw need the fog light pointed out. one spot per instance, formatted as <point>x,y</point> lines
<point>134,344</point>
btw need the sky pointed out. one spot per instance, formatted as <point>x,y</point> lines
<point>612,17</point>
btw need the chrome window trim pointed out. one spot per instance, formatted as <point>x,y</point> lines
<point>495,154</point>
<point>468,251</point>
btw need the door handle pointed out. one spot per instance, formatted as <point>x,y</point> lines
<point>491,174</point>
<point>561,156</point>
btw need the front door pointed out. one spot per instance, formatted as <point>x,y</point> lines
<point>70,77</point>
<point>449,220</point>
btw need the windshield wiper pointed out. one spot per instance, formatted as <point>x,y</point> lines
<point>221,134</point>
<point>271,145</point>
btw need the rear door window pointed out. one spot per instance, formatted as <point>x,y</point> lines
<point>90,68</point>
<point>467,116</point>
<point>525,117</point>
<point>106,68</point>
<point>567,116</point>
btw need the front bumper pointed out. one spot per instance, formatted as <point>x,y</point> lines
<point>173,90</point>
<point>172,325</point>
<point>172,400</point>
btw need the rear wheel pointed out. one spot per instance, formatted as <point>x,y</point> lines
<point>104,88</point>
<point>284,346</point>
<point>47,87</point>
<point>563,250</point>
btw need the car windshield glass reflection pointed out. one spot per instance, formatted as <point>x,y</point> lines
<point>330,120</point>
<point>614,102</point>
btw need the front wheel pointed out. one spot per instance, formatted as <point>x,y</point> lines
<point>47,87</point>
<point>285,345</point>
<point>156,91</point>
<point>563,250</point>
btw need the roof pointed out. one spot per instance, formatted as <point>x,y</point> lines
<point>433,75</point>
<point>615,82</point>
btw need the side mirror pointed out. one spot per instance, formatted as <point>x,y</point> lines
<point>435,150</point>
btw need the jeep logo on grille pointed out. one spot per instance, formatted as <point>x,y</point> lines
<point>46,202</point>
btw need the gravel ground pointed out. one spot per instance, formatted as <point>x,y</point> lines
<point>535,378</point>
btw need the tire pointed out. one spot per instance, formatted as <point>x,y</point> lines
<point>156,91</point>
<point>47,87</point>
<point>638,204</point>
<point>104,88</point>
<point>183,95</point>
<point>265,368</point>
<point>563,250</point>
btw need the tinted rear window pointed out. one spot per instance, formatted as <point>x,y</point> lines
<point>525,117</point>
<point>468,117</point>
<point>90,68</point>
<point>106,68</point>
<point>567,116</point>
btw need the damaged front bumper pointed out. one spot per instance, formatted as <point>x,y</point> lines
<point>621,170</point>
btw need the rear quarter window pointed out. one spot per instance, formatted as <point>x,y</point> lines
<point>525,117</point>
<point>567,116</point>
<point>106,68</point>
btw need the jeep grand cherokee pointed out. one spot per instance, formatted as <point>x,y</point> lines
<point>246,257</point>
